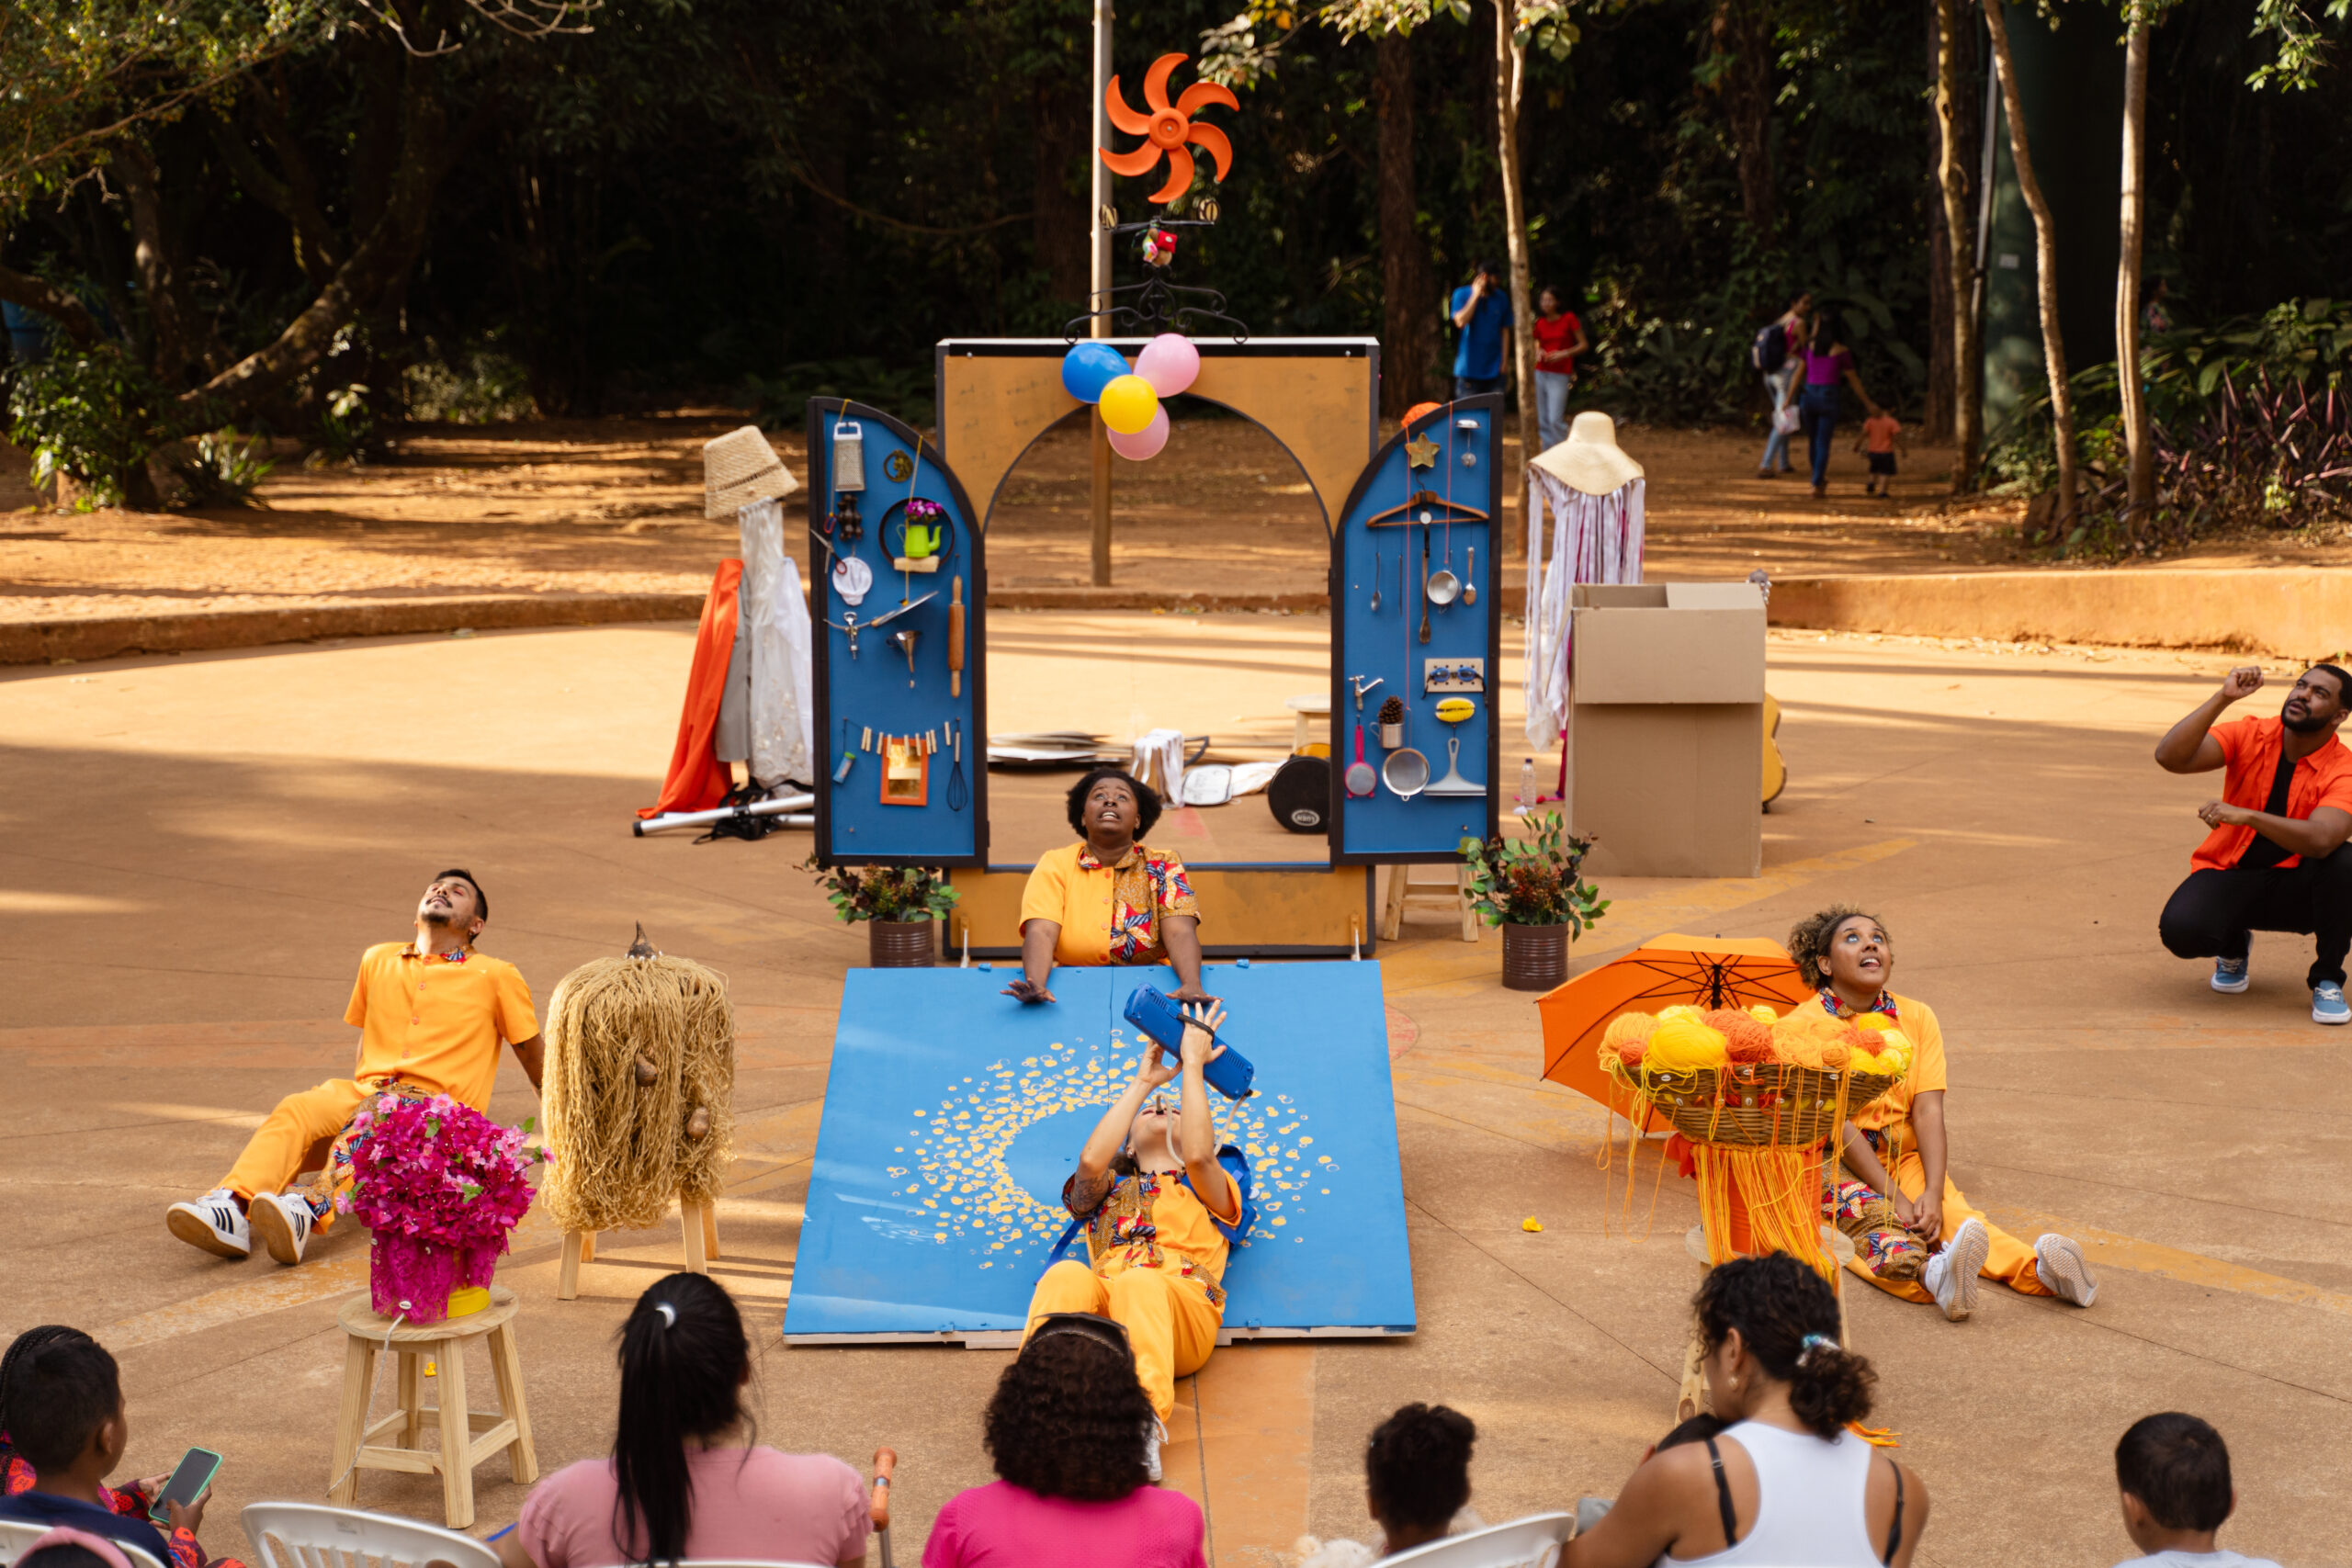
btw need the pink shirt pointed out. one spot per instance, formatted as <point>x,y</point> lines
<point>1002,1526</point>
<point>751,1504</point>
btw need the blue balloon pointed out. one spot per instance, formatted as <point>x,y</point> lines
<point>1088,367</point>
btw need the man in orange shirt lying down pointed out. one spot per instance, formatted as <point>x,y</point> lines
<point>431,1014</point>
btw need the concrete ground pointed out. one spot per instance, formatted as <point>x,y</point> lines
<point>196,849</point>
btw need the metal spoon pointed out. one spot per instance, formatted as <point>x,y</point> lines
<point>1470,578</point>
<point>1375,585</point>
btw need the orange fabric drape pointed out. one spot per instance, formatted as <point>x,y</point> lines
<point>697,780</point>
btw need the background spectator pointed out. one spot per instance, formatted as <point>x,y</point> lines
<point>1775,356</point>
<point>685,1481</point>
<point>1066,1428</point>
<point>1559,338</point>
<point>2173,1473</point>
<point>1825,359</point>
<point>1481,310</point>
<point>1417,1485</point>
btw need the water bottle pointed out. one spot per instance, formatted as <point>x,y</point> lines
<point>1526,785</point>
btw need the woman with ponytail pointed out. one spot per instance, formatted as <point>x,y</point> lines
<point>1786,1484</point>
<point>684,1480</point>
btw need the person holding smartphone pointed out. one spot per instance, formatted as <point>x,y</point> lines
<point>64,1430</point>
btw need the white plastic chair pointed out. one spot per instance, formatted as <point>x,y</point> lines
<point>316,1535</point>
<point>747,1563</point>
<point>1531,1542</point>
<point>15,1539</point>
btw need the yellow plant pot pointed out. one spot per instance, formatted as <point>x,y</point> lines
<point>467,1299</point>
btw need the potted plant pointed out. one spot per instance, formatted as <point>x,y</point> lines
<point>1529,886</point>
<point>440,1185</point>
<point>900,904</point>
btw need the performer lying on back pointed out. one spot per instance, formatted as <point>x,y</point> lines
<point>1160,1214</point>
<point>430,1014</point>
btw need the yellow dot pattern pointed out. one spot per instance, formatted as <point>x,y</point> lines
<point>957,1151</point>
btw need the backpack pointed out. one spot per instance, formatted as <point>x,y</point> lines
<point>1770,349</point>
<point>1237,1166</point>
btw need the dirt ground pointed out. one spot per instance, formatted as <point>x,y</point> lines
<point>195,849</point>
<point>613,506</point>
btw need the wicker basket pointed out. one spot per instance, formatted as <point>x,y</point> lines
<point>1752,1105</point>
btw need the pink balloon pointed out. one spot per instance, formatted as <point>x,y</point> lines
<point>1144,443</point>
<point>1170,363</point>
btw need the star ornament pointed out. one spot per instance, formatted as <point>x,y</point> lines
<point>1420,453</point>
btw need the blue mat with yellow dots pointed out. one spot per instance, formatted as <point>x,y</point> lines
<point>953,1114</point>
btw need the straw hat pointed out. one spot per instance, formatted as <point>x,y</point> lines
<point>739,468</point>
<point>1590,459</point>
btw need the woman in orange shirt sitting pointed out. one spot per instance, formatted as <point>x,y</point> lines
<point>1107,899</point>
<point>1898,1146</point>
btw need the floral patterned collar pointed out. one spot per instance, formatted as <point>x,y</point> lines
<point>455,955</point>
<point>1089,861</point>
<point>1836,1008</point>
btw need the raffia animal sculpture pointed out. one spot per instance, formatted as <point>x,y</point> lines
<point>638,1090</point>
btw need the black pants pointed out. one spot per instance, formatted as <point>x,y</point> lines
<point>2213,913</point>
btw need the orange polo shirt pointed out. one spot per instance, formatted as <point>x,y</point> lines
<point>2251,746</point>
<point>437,1024</point>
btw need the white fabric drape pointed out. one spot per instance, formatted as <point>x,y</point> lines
<point>783,703</point>
<point>1595,538</point>
<point>1159,763</point>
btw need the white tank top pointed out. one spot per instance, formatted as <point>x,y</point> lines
<point>1810,1510</point>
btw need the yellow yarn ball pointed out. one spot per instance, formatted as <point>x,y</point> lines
<point>1684,1045</point>
<point>1865,1062</point>
<point>1681,1010</point>
<point>1763,1015</point>
<point>1878,1020</point>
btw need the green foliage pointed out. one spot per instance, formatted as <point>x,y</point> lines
<point>346,429</point>
<point>476,385</point>
<point>91,413</point>
<point>1532,880</point>
<point>885,891</point>
<point>782,400</point>
<point>219,470</point>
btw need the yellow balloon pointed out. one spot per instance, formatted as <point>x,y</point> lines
<point>1127,403</point>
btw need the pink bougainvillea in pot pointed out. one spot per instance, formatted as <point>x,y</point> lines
<point>440,1185</point>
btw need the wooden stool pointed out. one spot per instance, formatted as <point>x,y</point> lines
<point>1304,711</point>
<point>1402,886</point>
<point>460,1450</point>
<point>697,1221</point>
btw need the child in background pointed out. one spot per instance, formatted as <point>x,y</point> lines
<point>1417,1485</point>
<point>2173,1473</point>
<point>1881,437</point>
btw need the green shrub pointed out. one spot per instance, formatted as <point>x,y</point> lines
<point>478,385</point>
<point>781,401</point>
<point>218,471</point>
<point>93,413</point>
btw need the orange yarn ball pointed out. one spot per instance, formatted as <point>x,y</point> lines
<point>1745,1038</point>
<point>1628,1035</point>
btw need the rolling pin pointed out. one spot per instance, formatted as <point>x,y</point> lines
<point>955,638</point>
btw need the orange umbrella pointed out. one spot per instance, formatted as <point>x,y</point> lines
<point>1703,972</point>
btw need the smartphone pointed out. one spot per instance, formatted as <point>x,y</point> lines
<point>189,1481</point>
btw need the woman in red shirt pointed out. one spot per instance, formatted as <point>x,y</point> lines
<point>1559,338</point>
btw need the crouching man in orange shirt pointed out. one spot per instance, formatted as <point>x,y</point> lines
<point>431,1014</point>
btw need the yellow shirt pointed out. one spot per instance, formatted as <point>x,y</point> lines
<point>1148,1216</point>
<point>1108,914</point>
<point>1917,1021</point>
<point>437,1024</point>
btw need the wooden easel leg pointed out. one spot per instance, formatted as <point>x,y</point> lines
<point>457,1433</point>
<point>507,1366</point>
<point>351,1425</point>
<point>1470,921</point>
<point>577,1246</point>
<point>1392,906</point>
<point>1692,1399</point>
<point>710,1227</point>
<point>690,1228</point>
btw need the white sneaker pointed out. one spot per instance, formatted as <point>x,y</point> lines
<point>282,1223</point>
<point>2059,1262</point>
<point>1158,1435</point>
<point>1950,1275</point>
<point>213,1223</point>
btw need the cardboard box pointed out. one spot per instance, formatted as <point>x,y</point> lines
<point>1665,727</point>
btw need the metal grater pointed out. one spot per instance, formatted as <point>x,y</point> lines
<point>849,456</point>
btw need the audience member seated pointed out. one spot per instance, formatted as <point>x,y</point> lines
<point>1108,899</point>
<point>1786,1483</point>
<point>1417,1485</point>
<point>685,1480</point>
<point>1697,1429</point>
<point>66,1547</point>
<point>1067,1429</point>
<point>63,1431</point>
<point>2173,1473</point>
<point>2277,859</point>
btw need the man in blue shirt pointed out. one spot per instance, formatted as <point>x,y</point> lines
<point>1482,312</point>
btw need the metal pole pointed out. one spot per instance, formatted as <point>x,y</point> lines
<point>1099,276</point>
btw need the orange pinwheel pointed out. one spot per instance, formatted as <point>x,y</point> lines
<point>1168,128</point>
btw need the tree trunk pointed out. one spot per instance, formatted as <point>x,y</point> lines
<point>2045,263</point>
<point>151,254</point>
<point>2141,485</point>
<point>1409,334</point>
<point>1937,421</point>
<point>1956,117</point>
<point>1511,74</point>
<point>1058,228</point>
<point>32,294</point>
<point>1742,36</point>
